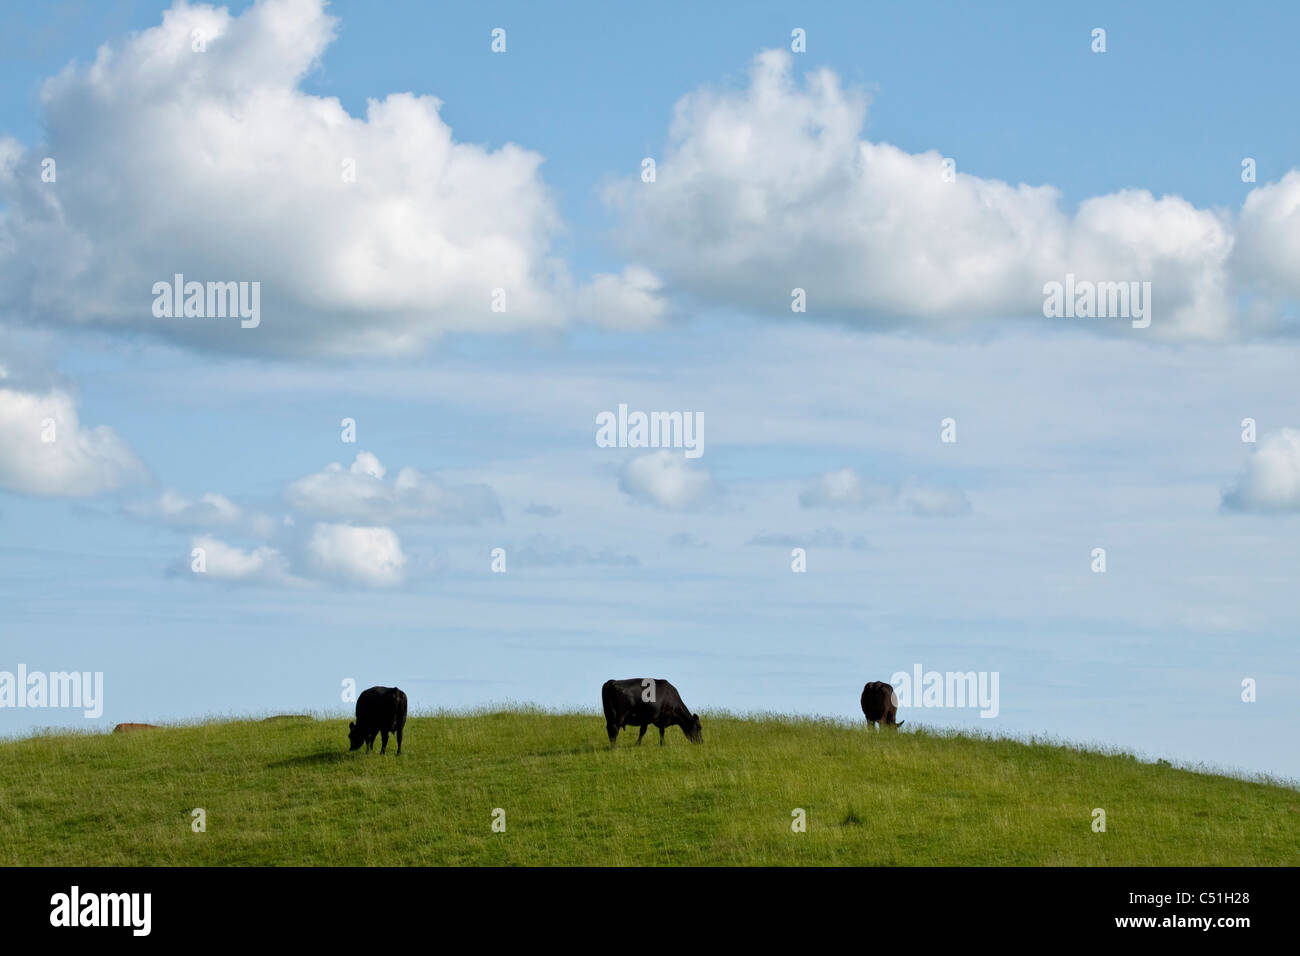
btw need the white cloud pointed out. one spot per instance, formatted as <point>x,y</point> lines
<point>1268,241</point>
<point>367,464</point>
<point>666,479</point>
<point>628,300</point>
<point>206,512</point>
<point>223,562</point>
<point>362,493</point>
<point>931,500</point>
<point>844,488</point>
<point>371,557</point>
<point>772,187</point>
<point>1271,482</point>
<point>215,164</point>
<point>368,555</point>
<point>78,462</point>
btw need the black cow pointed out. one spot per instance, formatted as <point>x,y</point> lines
<point>645,701</point>
<point>880,705</point>
<point>380,710</point>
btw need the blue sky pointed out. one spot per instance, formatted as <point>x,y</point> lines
<point>816,170</point>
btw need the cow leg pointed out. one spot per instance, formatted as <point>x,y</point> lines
<point>384,748</point>
<point>370,742</point>
<point>661,736</point>
<point>642,734</point>
<point>613,734</point>
<point>399,740</point>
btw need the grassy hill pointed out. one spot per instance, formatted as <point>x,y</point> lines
<point>287,792</point>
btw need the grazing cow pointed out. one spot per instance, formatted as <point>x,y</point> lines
<point>645,701</point>
<point>880,705</point>
<point>380,710</point>
<point>128,728</point>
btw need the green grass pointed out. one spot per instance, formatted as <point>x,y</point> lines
<point>288,792</point>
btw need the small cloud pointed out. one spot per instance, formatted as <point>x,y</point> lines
<point>1271,482</point>
<point>931,500</point>
<point>370,557</point>
<point>845,489</point>
<point>668,480</point>
<point>542,511</point>
<point>208,512</point>
<point>46,451</point>
<point>630,300</point>
<point>684,539</point>
<point>362,492</point>
<point>223,562</point>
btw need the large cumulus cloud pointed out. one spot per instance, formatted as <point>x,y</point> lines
<point>216,165</point>
<point>772,187</point>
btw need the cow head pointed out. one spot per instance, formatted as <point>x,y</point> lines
<point>692,728</point>
<point>355,737</point>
